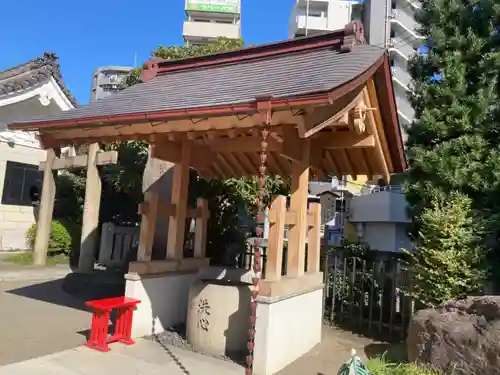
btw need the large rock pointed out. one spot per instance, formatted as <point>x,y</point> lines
<point>463,336</point>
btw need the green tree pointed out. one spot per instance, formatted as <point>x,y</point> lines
<point>453,143</point>
<point>447,261</point>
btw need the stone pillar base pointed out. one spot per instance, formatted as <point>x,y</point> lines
<point>164,300</point>
<point>288,324</point>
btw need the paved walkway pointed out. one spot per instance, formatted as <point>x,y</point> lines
<point>143,358</point>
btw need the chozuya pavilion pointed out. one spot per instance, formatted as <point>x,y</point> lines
<point>314,106</point>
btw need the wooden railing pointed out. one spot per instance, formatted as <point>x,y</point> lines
<point>279,217</point>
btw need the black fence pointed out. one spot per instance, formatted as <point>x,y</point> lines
<point>369,293</point>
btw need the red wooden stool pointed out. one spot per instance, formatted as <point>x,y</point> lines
<point>101,309</point>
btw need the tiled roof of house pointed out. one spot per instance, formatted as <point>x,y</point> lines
<point>32,74</point>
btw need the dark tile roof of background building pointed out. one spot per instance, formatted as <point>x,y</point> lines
<point>32,74</point>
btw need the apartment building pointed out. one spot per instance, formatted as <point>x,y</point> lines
<point>311,17</point>
<point>206,20</point>
<point>388,23</point>
<point>107,80</point>
<point>391,24</point>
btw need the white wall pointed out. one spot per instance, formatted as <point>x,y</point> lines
<point>286,330</point>
<point>15,220</point>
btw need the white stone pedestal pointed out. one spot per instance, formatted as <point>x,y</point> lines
<point>164,300</point>
<point>218,314</point>
<point>287,327</point>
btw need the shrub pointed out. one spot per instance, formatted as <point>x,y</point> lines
<point>63,237</point>
<point>448,260</point>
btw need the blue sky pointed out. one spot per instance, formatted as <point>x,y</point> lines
<point>86,34</point>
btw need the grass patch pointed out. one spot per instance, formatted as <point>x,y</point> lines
<point>26,259</point>
<point>380,366</point>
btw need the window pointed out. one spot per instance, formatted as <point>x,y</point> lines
<point>22,184</point>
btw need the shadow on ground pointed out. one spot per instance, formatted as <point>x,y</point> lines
<point>75,289</point>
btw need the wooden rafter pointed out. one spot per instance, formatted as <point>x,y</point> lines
<point>375,127</point>
<point>306,130</point>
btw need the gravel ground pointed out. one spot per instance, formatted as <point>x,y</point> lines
<point>176,336</point>
<point>324,359</point>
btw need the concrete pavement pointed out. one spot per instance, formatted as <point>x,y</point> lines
<point>38,318</point>
<point>143,358</point>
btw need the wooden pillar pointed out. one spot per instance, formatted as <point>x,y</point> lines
<point>90,222</point>
<point>200,235</point>
<point>314,238</point>
<point>44,224</point>
<point>180,185</point>
<point>277,218</point>
<point>298,205</point>
<point>148,225</point>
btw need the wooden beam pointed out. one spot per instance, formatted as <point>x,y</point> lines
<point>313,129</point>
<point>383,156</point>
<point>170,151</point>
<point>343,140</point>
<point>179,197</point>
<point>241,144</point>
<point>90,222</point>
<point>247,163</point>
<point>44,224</point>
<point>292,144</point>
<point>314,239</point>
<point>332,165</point>
<point>166,210</point>
<point>377,120</point>
<point>298,204</point>
<point>200,234</point>
<point>148,226</point>
<point>81,161</point>
<point>276,239</point>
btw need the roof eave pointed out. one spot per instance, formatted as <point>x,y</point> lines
<point>240,108</point>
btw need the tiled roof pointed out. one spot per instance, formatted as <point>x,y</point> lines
<point>287,69</point>
<point>283,76</point>
<point>32,74</point>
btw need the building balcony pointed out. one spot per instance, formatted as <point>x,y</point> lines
<point>312,24</point>
<point>404,14</point>
<point>383,204</point>
<point>402,102</point>
<point>401,76</point>
<point>210,30</point>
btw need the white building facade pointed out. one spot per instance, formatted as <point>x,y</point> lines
<point>207,20</point>
<point>27,90</point>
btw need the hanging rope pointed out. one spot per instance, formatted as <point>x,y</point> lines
<point>257,264</point>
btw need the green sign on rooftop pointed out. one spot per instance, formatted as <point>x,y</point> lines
<point>217,6</point>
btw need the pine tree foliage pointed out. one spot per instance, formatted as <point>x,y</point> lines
<point>448,260</point>
<point>454,142</point>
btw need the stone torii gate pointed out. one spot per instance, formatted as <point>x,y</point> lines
<point>315,106</point>
<point>89,238</point>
